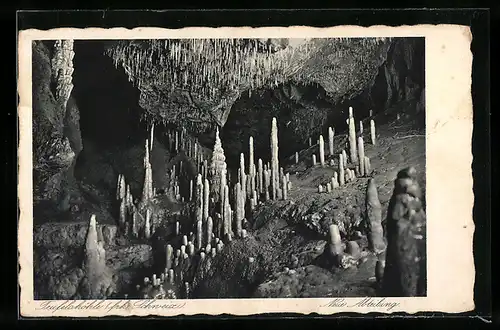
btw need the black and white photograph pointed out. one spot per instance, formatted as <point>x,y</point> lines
<point>210,168</point>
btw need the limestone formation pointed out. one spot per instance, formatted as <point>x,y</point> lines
<point>321,151</point>
<point>217,168</point>
<point>274,159</point>
<point>372,132</point>
<point>373,218</point>
<point>352,138</point>
<point>405,268</point>
<point>330,140</point>
<point>361,152</point>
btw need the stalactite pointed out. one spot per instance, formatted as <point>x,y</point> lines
<point>361,151</point>
<point>274,158</point>
<point>321,151</point>
<point>352,138</point>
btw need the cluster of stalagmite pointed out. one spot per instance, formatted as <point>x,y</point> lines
<point>219,208</point>
<point>62,68</point>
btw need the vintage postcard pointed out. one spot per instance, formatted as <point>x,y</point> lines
<point>245,170</point>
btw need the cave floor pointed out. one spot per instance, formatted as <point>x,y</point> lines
<point>284,252</point>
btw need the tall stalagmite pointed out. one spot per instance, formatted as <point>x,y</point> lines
<point>330,140</point>
<point>405,267</point>
<point>217,168</point>
<point>373,218</point>
<point>239,212</point>
<point>361,152</point>
<point>251,163</point>
<point>206,199</point>
<point>274,159</point>
<point>260,180</point>
<point>352,138</point>
<point>321,150</point>
<point>372,132</point>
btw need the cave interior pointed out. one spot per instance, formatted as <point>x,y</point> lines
<point>128,135</point>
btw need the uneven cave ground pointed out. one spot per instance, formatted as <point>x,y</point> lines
<point>284,252</point>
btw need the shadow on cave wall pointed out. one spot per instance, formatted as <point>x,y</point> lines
<point>112,131</point>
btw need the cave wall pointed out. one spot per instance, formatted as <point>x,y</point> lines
<point>56,135</point>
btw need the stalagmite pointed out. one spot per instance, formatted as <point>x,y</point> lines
<point>190,190</point>
<point>243,176</point>
<point>352,138</point>
<point>374,219</point>
<point>251,163</point>
<point>171,276</point>
<point>405,268</point>
<point>184,241</point>
<point>239,208</point>
<point>199,199</point>
<point>169,256</point>
<point>187,290</point>
<point>152,136</point>
<point>135,230</point>
<point>361,151</point>
<point>314,160</point>
<point>296,157</point>
<point>310,142</point>
<point>210,228</point>
<point>341,170</point>
<point>320,188</point>
<point>361,128</point>
<point>335,243</point>
<point>284,189</point>
<point>217,168</point>
<point>177,228</point>
<point>344,158</point>
<point>372,132</point>
<point>367,166</point>
<point>147,226</point>
<point>123,213</point>
<point>328,187</point>
<point>330,140</point>
<point>176,141</point>
<point>260,176</point>
<point>274,158</point>
<point>206,198</point>
<point>321,151</point>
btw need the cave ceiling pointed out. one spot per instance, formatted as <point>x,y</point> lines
<point>195,82</point>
